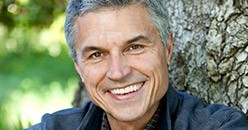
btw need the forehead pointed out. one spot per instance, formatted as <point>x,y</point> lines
<point>123,21</point>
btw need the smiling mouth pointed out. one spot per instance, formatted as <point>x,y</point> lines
<point>127,90</point>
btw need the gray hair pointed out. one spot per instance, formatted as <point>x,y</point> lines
<point>156,9</point>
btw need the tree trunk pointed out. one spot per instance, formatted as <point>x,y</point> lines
<point>211,50</point>
<point>210,57</point>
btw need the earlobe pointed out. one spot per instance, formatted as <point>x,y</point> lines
<point>169,48</point>
<point>78,71</point>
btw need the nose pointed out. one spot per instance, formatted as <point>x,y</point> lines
<point>118,68</point>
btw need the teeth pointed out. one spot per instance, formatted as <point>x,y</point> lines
<point>126,90</point>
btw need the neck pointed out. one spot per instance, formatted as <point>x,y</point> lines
<point>137,124</point>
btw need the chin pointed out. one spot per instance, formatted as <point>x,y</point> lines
<point>130,115</point>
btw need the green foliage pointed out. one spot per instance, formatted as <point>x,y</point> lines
<point>34,61</point>
<point>33,72</point>
<point>3,121</point>
<point>40,67</point>
<point>30,13</point>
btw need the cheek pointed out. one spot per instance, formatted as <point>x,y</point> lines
<point>154,66</point>
<point>93,74</point>
<point>92,77</point>
<point>151,61</point>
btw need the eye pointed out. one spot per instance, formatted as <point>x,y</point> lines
<point>96,55</point>
<point>135,47</point>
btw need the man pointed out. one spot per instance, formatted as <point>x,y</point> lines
<point>121,50</point>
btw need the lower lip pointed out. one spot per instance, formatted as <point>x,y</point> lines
<point>126,96</point>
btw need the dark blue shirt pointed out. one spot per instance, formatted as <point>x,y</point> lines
<point>180,111</point>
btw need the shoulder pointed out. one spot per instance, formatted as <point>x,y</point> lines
<point>215,116</point>
<point>67,119</point>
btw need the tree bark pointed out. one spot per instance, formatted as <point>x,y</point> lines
<point>210,57</point>
<point>211,50</point>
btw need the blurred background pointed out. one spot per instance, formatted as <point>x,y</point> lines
<point>36,73</point>
<point>37,76</point>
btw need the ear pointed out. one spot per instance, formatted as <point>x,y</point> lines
<point>169,49</point>
<point>78,71</point>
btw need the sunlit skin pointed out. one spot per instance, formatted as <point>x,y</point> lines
<point>117,48</point>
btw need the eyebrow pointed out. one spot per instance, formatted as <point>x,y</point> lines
<point>139,38</point>
<point>90,48</point>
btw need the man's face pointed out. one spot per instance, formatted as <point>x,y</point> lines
<point>122,61</point>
